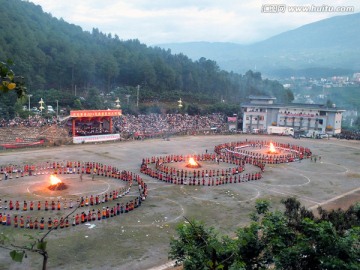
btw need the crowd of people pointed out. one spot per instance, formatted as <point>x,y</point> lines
<point>149,125</point>
<point>89,131</point>
<point>205,177</point>
<point>245,150</point>
<point>163,124</point>
<point>31,121</point>
<point>348,135</point>
<point>128,126</point>
<point>25,214</point>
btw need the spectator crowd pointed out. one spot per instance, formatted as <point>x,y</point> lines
<point>31,121</point>
<point>133,127</point>
<point>164,124</point>
<point>149,125</point>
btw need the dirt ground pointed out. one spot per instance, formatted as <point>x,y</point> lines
<point>140,240</point>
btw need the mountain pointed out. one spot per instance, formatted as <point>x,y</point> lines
<point>326,47</point>
<point>60,61</point>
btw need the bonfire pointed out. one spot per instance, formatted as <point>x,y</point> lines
<point>192,163</point>
<point>56,183</point>
<point>272,149</point>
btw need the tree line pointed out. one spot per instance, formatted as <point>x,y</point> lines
<point>292,239</point>
<point>53,54</point>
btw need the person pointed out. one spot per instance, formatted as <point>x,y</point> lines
<point>4,219</point>
<point>93,175</point>
<point>31,224</point>
<point>49,223</point>
<point>77,219</point>
<point>8,220</point>
<point>67,224</point>
<point>15,221</point>
<point>81,176</point>
<point>56,223</point>
<point>62,223</point>
<point>36,224</point>
<point>42,223</point>
<point>22,222</point>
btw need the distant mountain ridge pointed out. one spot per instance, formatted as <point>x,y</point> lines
<point>325,47</point>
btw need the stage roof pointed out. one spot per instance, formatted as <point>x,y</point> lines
<point>95,113</point>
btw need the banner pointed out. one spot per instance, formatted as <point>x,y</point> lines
<point>232,119</point>
<point>95,113</point>
<point>96,138</point>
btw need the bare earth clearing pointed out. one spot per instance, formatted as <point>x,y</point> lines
<point>140,239</point>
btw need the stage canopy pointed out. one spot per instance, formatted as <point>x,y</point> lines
<point>93,125</point>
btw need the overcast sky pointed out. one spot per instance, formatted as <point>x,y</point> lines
<point>172,21</point>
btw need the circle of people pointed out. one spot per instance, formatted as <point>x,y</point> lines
<point>233,153</point>
<point>205,177</point>
<point>93,201</point>
<point>247,150</point>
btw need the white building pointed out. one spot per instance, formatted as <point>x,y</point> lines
<point>262,111</point>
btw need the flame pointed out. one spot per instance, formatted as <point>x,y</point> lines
<point>272,148</point>
<point>54,180</point>
<point>192,162</point>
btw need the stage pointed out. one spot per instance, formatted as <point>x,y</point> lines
<point>93,125</point>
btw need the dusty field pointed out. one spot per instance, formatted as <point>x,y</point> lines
<point>140,240</point>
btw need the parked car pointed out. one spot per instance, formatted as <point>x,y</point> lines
<point>50,109</point>
<point>35,110</point>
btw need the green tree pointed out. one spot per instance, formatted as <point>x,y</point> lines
<point>292,240</point>
<point>35,245</point>
<point>200,248</point>
<point>9,81</point>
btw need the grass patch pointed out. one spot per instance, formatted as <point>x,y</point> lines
<point>353,175</point>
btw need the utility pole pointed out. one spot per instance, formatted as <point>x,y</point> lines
<point>137,96</point>
<point>29,96</point>
<point>57,109</point>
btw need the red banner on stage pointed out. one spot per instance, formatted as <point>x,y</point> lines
<point>95,113</point>
<point>232,119</point>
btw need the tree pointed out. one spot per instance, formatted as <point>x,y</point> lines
<point>18,252</point>
<point>294,239</point>
<point>9,81</point>
<point>197,247</point>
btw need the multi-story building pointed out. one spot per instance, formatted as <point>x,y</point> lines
<point>262,111</point>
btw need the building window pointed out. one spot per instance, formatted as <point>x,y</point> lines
<point>321,121</point>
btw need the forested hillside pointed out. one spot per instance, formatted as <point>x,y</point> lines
<point>324,48</point>
<point>58,57</point>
